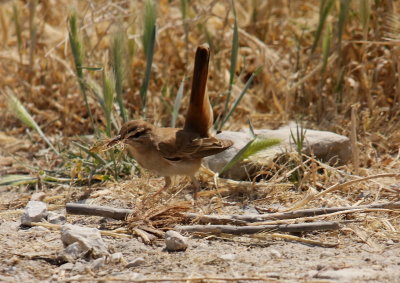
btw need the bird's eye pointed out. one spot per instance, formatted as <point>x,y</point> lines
<point>137,134</point>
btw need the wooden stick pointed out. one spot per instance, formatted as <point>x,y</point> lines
<point>95,210</point>
<point>120,214</point>
<point>239,230</point>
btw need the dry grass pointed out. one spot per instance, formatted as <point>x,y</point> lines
<point>362,73</point>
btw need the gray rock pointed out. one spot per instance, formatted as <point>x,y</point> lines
<point>175,241</point>
<point>89,239</point>
<point>38,229</point>
<point>56,218</point>
<point>35,211</point>
<point>228,257</point>
<point>98,263</point>
<point>67,266</point>
<point>275,253</point>
<point>136,262</point>
<point>116,258</point>
<point>74,251</point>
<point>326,146</point>
<point>347,274</point>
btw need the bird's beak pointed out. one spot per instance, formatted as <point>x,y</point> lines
<point>114,141</point>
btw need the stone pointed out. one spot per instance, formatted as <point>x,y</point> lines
<point>326,146</point>
<point>98,263</point>
<point>136,262</point>
<point>67,266</point>
<point>175,241</point>
<point>347,274</point>
<point>74,251</point>
<point>275,253</point>
<point>38,229</point>
<point>56,218</point>
<point>116,258</point>
<point>35,211</point>
<point>89,239</point>
<point>228,257</point>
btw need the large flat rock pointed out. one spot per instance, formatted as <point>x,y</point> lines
<point>326,146</point>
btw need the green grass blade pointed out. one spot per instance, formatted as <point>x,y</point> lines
<point>177,104</point>
<point>18,31</point>
<point>233,60</point>
<point>184,12</point>
<point>252,147</point>
<point>365,13</point>
<point>326,46</point>
<point>149,38</point>
<point>118,51</point>
<point>32,31</point>
<point>77,52</point>
<point>300,137</point>
<point>242,93</point>
<point>343,13</point>
<point>16,180</point>
<point>325,8</point>
<point>108,97</point>
<point>23,115</point>
<point>92,154</point>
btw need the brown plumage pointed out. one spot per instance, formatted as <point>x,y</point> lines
<point>174,151</point>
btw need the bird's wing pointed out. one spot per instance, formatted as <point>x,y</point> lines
<point>193,149</point>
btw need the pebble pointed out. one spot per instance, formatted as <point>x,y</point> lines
<point>35,211</point>
<point>56,218</point>
<point>89,239</point>
<point>74,250</point>
<point>228,256</point>
<point>175,241</point>
<point>275,253</point>
<point>67,266</point>
<point>98,263</point>
<point>116,258</point>
<point>136,262</point>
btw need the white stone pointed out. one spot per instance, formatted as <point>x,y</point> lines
<point>56,218</point>
<point>326,146</point>
<point>228,257</point>
<point>88,239</point>
<point>136,262</point>
<point>175,241</point>
<point>35,211</point>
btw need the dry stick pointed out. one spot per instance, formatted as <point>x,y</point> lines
<point>353,138</point>
<point>58,227</point>
<point>185,279</point>
<point>118,213</point>
<point>303,240</point>
<point>239,230</point>
<point>95,210</point>
<point>343,185</point>
<point>309,218</point>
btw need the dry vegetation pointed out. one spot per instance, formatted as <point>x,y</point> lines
<point>353,65</point>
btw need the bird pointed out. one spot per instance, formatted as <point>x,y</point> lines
<point>177,151</point>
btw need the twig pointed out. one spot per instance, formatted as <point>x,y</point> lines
<point>58,227</point>
<point>239,230</point>
<point>119,213</point>
<point>353,138</point>
<point>343,185</point>
<point>95,210</point>
<point>185,279</point>
<point>305,241</point>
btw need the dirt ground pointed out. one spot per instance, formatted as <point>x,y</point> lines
<point>33,255</point>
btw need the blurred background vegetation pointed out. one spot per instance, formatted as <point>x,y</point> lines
<point>82,68</point>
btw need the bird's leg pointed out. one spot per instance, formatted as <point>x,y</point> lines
<point>196,186</point>
<point>166,186</point>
